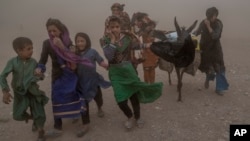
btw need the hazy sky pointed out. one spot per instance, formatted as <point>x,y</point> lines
<point>28,17</point>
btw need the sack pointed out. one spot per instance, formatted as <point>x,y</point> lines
<point>193,67</point>
<point>165,65</point>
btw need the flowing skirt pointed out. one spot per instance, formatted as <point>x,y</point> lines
<point>125,83</point>
<point>66,102</point>
<point>88,83</point>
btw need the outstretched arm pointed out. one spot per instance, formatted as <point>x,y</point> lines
<point>104,65</point>
<point>4,84</point>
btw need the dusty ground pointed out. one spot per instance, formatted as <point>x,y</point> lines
<point>202,116</point>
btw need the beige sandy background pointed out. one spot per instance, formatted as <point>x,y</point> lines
<point>203,116</point>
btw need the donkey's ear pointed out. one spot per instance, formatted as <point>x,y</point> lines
<point>189,30</point>
<point>177,27</point>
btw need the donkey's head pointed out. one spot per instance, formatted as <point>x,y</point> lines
<point>182,32</point>
<point>181,51</point>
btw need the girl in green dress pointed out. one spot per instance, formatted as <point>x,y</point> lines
<point>118,49</point>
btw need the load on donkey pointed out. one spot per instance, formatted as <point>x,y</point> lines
<point>176,49</point>
<point>164,65</point>
<point>180,51</point>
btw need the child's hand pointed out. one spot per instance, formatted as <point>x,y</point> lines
<point>41,76</point>
<point>72,66</point>
<point>7,97</point>
<point>111,36</point>
<point>104,65</point>
<point>58,42</point>
<point>38,73</point>
<point>207,22</point>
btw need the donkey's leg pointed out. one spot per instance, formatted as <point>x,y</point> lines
<point>169,78</point>
<point>179,85</point>
<point>181,76</point>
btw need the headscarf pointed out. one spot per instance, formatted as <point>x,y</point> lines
<point>118,5</point>
<point>66,54</point>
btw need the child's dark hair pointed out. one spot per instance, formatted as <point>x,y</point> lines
<point>140,16</point>
<point>58,24</point>
<point>20,42</point>
<point>114,19</point>
<point>86,37</point>
<point>211,12</point>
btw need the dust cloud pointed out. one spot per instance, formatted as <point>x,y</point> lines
<point>28,17</point>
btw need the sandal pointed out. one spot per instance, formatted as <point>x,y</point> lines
<point>41,139</point>
<point>53,133</point>
<point>139,123</point>
<point>75,120</point>
<point>221,93</point>
<point>41,136</point>
<point>83,131</point>
<point>34,128</point>
<point>129,124</point>
<point>100,113</point>
<point>3,120</point>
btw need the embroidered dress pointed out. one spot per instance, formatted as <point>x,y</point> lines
<point>123,76</point>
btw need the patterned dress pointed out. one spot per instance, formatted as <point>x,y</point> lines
<point>123,76</point>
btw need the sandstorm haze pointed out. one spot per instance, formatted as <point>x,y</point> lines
<point>202,116</point>
<point>28,17</point>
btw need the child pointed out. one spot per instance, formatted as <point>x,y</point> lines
<point>212,61</point>
<point>117,9</point>
<point>146,26</point>
<point>65,101</point>
<point>126,84</point>
<point>25,88</point>
<point>89,81</point>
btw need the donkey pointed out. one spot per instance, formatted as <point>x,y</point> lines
<point>180,52</point>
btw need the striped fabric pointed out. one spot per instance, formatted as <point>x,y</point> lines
<point>66,102</point>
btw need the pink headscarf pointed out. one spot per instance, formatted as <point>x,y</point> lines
<point>66,54</point>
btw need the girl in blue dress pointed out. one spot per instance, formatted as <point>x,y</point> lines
<point>89,81</point>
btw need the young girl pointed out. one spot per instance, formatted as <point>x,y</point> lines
<point>65,101</point>
<point>89,81</point>
<point>25,87</point>
<point>126,84</point>
<point>145,26</point>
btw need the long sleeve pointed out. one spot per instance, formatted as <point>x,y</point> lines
<point>45,53</point>
<point>3,77</point>
<point>109,51</point>
<point>98,57</point>
<point>217,30</point>
<point>120,51</point>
